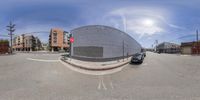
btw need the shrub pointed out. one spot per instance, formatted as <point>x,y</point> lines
<point>4,41</point>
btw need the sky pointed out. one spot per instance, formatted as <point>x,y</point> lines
<point>144,20</point>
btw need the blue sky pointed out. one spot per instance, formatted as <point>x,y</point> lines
<point>145,20</point>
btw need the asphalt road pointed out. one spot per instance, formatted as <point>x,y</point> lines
<point>160,77</point>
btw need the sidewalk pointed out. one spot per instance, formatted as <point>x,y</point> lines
<point>96,66</point>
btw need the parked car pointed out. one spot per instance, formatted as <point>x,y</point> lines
<point>137,58</point>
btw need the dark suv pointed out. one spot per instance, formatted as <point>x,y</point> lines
<point>137,58</point>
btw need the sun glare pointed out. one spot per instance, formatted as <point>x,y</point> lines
<point>148,22</point>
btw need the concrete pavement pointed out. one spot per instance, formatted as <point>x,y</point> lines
<point>160,77</point>
<point>96,65</point>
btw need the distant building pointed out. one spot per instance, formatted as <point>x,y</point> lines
<point>45,46</point>
<point>190,48</point>
<point>29,43</point>
<point>4,46</point>
<point>167,47</point>
<point>26,43</point>
<point>38,44</point>
<point>18,43</point>
<point>149,49</point>
<point>58,40</point>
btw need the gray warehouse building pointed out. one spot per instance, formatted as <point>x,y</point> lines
<point>102,43</point>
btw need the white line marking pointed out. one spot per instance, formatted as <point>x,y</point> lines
<point>99,86</point>
<point>101,82</point>
<point>42,60</point>
<point>104,86</point>
<point>111,83</point>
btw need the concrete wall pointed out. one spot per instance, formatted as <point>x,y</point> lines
<point>111,40</point>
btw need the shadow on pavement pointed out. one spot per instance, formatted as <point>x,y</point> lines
<point>135,65</point>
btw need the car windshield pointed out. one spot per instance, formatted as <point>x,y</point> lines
<point>99,50</point>
<point>137,54</point>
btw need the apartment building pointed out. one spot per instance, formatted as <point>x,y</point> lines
<point>18,43</point>
<point>26,43</point>
<point>29,43</point>
<point>58,40</point>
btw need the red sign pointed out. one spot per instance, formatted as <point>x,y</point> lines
<point>71,39</point>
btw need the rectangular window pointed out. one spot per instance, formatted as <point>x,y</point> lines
<point>54,37</point>
<point>64,38</point>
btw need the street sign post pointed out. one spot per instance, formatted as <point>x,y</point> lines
<point>71,40</point>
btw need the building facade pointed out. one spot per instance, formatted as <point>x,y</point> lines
<point>45,46</point>
<point>38,44</point>
<point>29,43</point>
<point>102,43</point>
<point>18,43</point>
<point>190,48</point>
<point>4,46</point>
<point>167,47</point>
<point>58,40</point>
<point>26,43</point>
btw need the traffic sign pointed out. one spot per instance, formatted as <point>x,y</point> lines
<point>71,39</point>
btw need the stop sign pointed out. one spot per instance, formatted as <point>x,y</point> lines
<point>71,39</point>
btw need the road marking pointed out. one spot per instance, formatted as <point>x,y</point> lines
<point>104,86</point>
<point>42,60</point>
<point>99,86</point>
<point>101,83</point>
<point>111,84</point>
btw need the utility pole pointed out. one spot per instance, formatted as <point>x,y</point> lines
<point>123,50</point>
<point>197,35</point>
<point>11,29</point>
<point>197,46</point>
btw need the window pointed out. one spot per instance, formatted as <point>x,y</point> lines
<point>54,34</point>
<point>54,37</point>
<point>64,38</point>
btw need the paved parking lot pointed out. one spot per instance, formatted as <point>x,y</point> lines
<point>160,77</point>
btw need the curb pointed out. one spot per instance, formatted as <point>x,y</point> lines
<point>39,52</point>
<point>7,54</point>
<point>93,69</point>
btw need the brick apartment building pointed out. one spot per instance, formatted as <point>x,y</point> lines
<point>4,46</point>
<point>58,40</point>
<point>26,43</point>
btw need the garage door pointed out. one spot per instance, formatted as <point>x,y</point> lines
<point>186,50</point>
